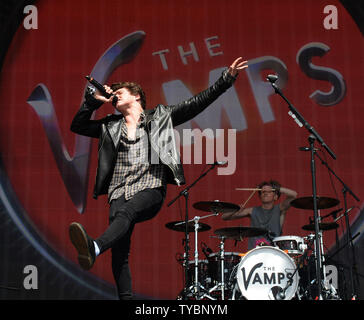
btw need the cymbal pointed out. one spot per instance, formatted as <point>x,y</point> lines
<point>238,233</point>
<point>216,206</point>
<point>307,203</point>
<point>190,228</point>
<point>323,226</point>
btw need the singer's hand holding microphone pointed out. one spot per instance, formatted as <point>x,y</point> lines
<point>99,96</point>
<point>103,93</point>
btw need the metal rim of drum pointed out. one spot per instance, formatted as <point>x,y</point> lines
<point>226,254</point>
<point>281,239</point>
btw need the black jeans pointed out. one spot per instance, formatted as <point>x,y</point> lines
<point>123,216</point>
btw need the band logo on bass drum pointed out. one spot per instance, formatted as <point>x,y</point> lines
<point>262,277</point>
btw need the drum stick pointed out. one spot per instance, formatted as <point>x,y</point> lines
<point>252,194</point>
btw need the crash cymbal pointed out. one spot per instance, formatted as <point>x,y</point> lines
<point>238,233</point>
<point>191,226</point>
<point>323,226</point>
<point>307,203</point>
<point>216,206</point>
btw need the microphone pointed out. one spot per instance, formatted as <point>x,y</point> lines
<point>282,294</point>
<point>272,78</point>
<point>102,90</point>
<point>278,293</point>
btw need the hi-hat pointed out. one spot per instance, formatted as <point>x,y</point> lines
<point>216,206</point>
<point>181,226</point>
<point>307,203</point>
<point>322,226</point>
<point>238,233</point>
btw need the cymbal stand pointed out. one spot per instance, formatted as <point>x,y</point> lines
<point>196,288</point>
<point>349,237</point>
<point>300,260</point>
<point>185,194</point>
<point>327,288</point>
<point>221,285</point>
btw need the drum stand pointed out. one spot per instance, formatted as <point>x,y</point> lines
<point>349,237</point>
<point>197,288</point>
<point>220,286</point>
<point>327,288</point>
<point>185,193</point>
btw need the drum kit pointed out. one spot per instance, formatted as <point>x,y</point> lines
<point>279,271</point>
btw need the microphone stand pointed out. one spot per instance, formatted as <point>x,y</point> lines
<point>300,120</point>
<point>349,237</point>
<point>185,194</point>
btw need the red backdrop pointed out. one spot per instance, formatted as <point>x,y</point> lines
<point>71,37</point>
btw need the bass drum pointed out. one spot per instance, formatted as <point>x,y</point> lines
<point>263,274</point>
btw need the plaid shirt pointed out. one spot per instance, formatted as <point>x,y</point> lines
<point>133,172</point>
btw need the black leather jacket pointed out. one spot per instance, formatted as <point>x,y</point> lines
<point>159,121</point>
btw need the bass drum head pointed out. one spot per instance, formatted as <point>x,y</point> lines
<point>263,273</point>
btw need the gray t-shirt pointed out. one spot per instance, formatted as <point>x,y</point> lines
<point>266,219</point>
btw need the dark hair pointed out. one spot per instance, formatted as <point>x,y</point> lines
<point>134,88</point>
<point>274,184</point>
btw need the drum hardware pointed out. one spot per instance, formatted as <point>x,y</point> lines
<point>220,286</point>
<point>322,226</point>
<point>216,206</point>
<point>327,290</point>
<point>349,237</point>
<point>237,234</point>
<point>179,226</point>
<point>292,245</point>
<point>307,203</point>
<point>195,290</point>
<point>300,261</point>
<point>221,270</point>
<point>185,194</point>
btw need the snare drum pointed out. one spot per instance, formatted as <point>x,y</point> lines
<point>263,273</point>
<point>293,245</point>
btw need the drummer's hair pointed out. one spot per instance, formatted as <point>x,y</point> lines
<point>274,184</point>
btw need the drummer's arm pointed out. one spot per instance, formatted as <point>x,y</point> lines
<point>286,203</point>
<point>243,212</point>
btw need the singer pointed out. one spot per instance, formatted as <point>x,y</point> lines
<point>136,189</point>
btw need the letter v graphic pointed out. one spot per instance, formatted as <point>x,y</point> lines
<point>247,281</point>
<point>74,171</point>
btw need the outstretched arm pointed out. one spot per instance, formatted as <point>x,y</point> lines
<point>237,66</point>
<point>188,109</point>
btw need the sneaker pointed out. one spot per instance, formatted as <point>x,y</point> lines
<point>83,244</point>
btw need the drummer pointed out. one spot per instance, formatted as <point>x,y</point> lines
<point>269,215</point>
